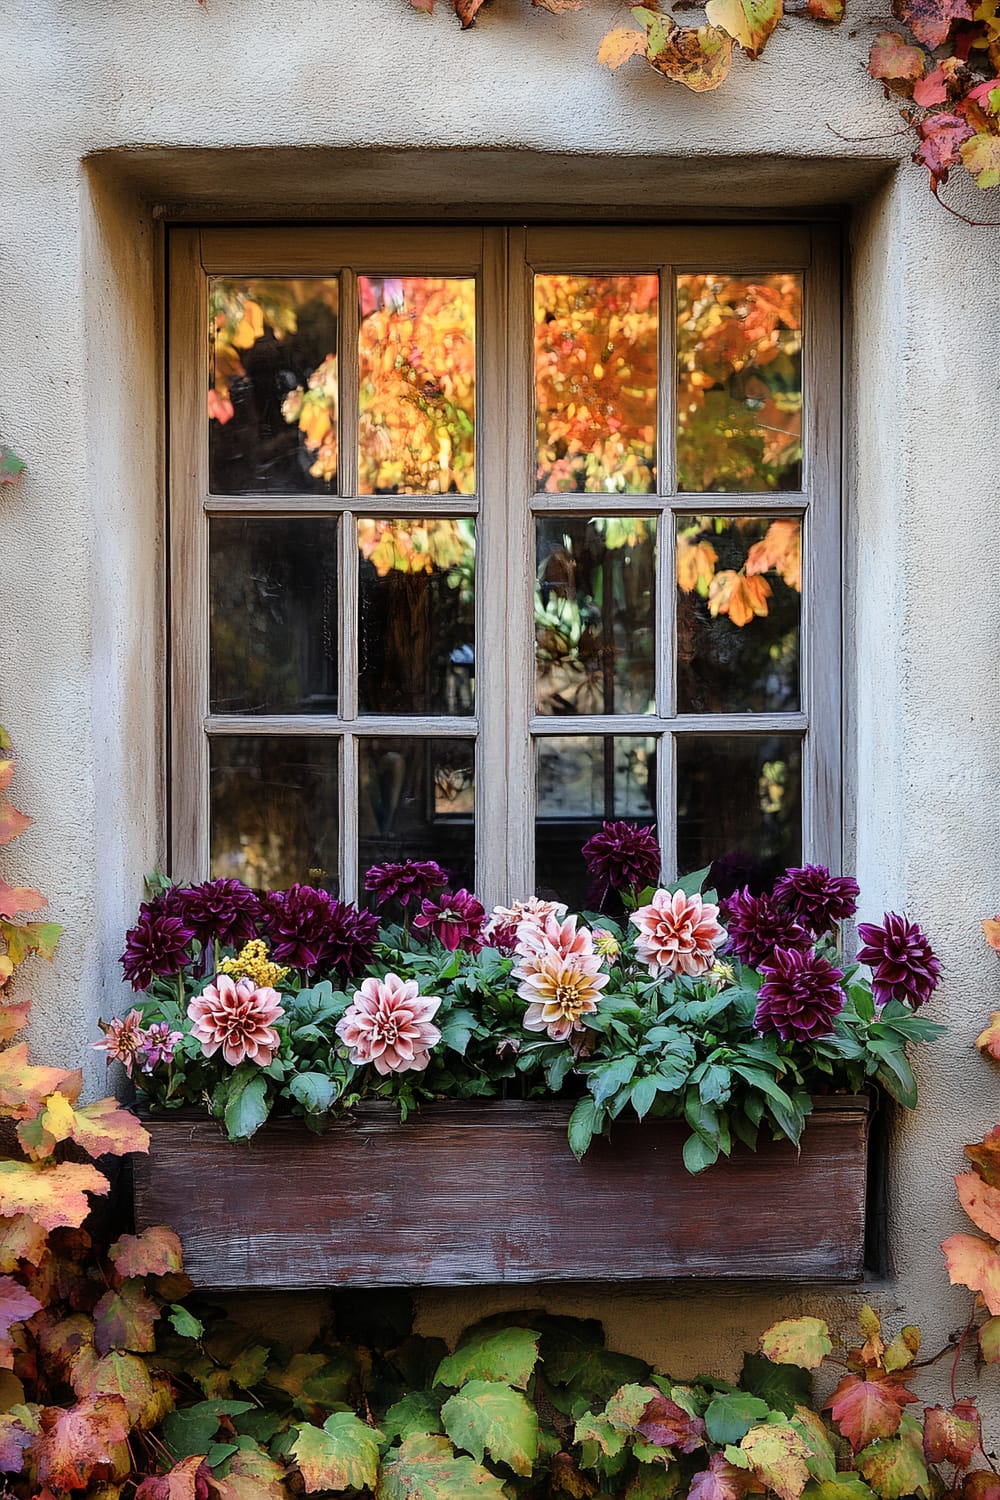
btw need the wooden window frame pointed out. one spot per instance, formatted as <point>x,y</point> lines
<point>504,259</point>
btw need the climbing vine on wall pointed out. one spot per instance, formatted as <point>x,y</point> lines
<point>943,63</point>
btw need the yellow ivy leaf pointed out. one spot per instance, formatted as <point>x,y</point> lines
<point>748,22</point>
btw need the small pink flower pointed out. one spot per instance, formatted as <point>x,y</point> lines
<point>504,921</point>
<point>239,1017</point>
<point>124,1040</point>
<point>678,934</point>
<point>388,1023</point>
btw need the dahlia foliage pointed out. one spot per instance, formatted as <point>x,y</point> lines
<point>729,1014</point>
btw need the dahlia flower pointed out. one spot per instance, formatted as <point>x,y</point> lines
<point>560,991</point>
<point>501,928</point>
<point>158,944</point>
<point>605,943</point>
<point>621,857</point>
<point>801,995</point>
<point>553,936</point>
<point>757,925</point>
<point>311,930</point>
<point>158,1045</point>
<point>124,1039</point>
<point>388,1023</point>
<point>239,1017</point>
<point>456,919</point>
<point>406,878</point>
<point>678,934</point>
<point>901,959</point>
<point>219,911</point>
<point>817,899</point>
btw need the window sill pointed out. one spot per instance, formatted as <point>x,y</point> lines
<point>468,1194</point>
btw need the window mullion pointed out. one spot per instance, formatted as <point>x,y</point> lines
<point>519,591</point>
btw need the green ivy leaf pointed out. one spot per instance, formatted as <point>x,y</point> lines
<point>509,1356</point>
<point>486,1416</point>
<point>417,1412</point>
<point>729,1418</point>
<point>184,1322</point>
<point>428,1468</point>
<point>843,1487</point>
<point>343,1454</point>
<point>783,1387</point>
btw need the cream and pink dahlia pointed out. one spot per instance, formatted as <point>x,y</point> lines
<point>560,991</point>
<point>388,1023</point>
<point>239,1017</point>
<point>678,934</point>
<point>501,929</point>
<point>552,935</point>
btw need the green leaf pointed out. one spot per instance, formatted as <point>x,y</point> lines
<point>895,1074</point>
<point>509,1356</point>
<point>582,1125</point>
<point>605,1081</point>
<point>486,1416</point>
<point>193,1430</point>
<point>699,1154</point>
<point>11,467</point>
<point>343,1454</point>
<point>843,1487</point>
<point>314,1091</point>
<point>783,1387</point>
<point>895,1467</point>
<point>185,1323</point>
<point>246,1105</point>
<point>419,1411</point>
<point>690,884</point>
<point>729,1418</point>
<point>427,1468</point>
<point>643,1092</point>
<point>715,1084</point>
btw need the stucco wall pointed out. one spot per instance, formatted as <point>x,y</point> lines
<point>330,107</point>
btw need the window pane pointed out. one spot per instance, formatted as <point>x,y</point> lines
<point>739,382</point>
<point>739,586</point>
<point>595,383</point>
<point>417,350</point>
<point>272,397</point>
<point>418,802</point>
<point>582,780</point>
<point>416,616</point>
<point>595,585</point>
<point>273,600</point>
<point>274,817</point>
<point>739,807</point>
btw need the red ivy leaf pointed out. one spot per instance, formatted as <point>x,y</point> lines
<point>18,1429</point>
<point>985,1156</point>
<point>864,1410</point>
<point>124,1319</point>
<point>720,1481</point>
<point>974,1263</point>
<point>941,137</point>
<point>664,1424</point>
<point>981,1484</point>
<point>892,58</point>
<point>951,1436</point>
<point>980,1201</point>
<point>991,927</point>
<point>188,1480</point>
<point>467,10</point>
<point>931,20</point>
<point>16,1305</point>
<point>77,1446</point>
<point>21,1239</point>
<point>154,1252</point>
<point>15,900</point>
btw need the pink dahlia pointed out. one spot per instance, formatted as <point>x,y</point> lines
<point>678,934</point>
<point>388,1023</point>
<point>560,991</point>
<point>239,1017</point>
<point>553,936</point>
<point>501,929</point>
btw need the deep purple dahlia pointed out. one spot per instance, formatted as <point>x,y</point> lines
<point>403,879</point>
<point>220,911</point>
<point>757,925</point>
<point>901,960</point>
<point>158,944</point>
<point>456,919</point>
<point>816,898</point>
<point>801,996</point>
<point>621,857</point>
<point>311,930</point>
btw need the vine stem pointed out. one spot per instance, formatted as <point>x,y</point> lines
<point>972,223</point>
<point>958,1352</point>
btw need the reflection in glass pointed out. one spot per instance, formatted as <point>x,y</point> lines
<point>582,780</point>
<point>274,817</point>
<point>416,616</point>
<point>595,584</point>
<point>739,807</point>
<point>595,383</point>
<point>273,600</point>
<point>272,396</point>
<point>739,585</point>
<point>417,352</point>
<point>417,801</point>
<point>739,382</point>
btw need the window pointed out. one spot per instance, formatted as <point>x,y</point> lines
<point>485,535</point>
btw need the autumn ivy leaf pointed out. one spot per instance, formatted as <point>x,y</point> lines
<point>991,930</point>
<point>25,1087</point>
<point>11,467</point>
<point>989,1341</point>
<point>720,1481</point>
<point>822,1459</point>
<point>619,45</point>
<point>974,1263</point>
<point>24,939</point>
<point>76,1445</point>
<point>941,137</point>
<point>486,1416</point>
<point>891,58</point>
<point>53,1197</point>
<point>736,595</point>
<point>748,22</point>
<point>187,1480</point>
<point>343,1454</point>
<point>16,1305</point>
<point>21,1239</point>
<point>981,1484</point>
<point>866,1409</point>
<point>895,1467</point>
<point>988,1040</point>
<point>728,1418</point>
<point>509,1356</point>
<point>931,20</point>
<point>12,822</point>
<point>597,1438</point>
<point>251,1475</point>
<point>15,900</point>
<point>13,1017</point>
<point>154,1252</point>
<point>985,1156</point>
<point>980,1201</point>
<point>317,1381</point>
<point>903,1350</point>
<point>467,10</point>
<point>557,7</point>
<point>797,1341</point>
<point>777,1455</point>
<point>18,1428</point>
<point>427,1468</point>
<point>697,56</point>
<point>981,157</point>
<point>843,1487</point>
<point>951,1435</point>
<point>101,1129</point>
<point>125,1319</point>
<point>126,1376</point>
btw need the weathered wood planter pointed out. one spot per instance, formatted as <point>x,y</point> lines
<point>490,1193</point>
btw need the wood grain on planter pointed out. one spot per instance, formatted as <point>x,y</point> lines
<point>490,1193</point>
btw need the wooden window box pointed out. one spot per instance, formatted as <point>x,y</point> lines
<point>490,1193</point>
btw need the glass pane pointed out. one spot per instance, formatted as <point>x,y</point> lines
<point>274,818</point>
<point>581,781</point>
<point>272,385</point>
<point>273,599</point>
<point>595,585</point>
<point>417,350</point>
<point>418,800</point>
<point>595,383</point>
<point>739,588</point>
<point>416,616</point>
<point>739,382</point>
<point>739,807</point>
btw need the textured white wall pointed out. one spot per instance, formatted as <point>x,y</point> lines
<point>249,109</point>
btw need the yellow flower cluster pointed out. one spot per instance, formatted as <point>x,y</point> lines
<point>253,963</point>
